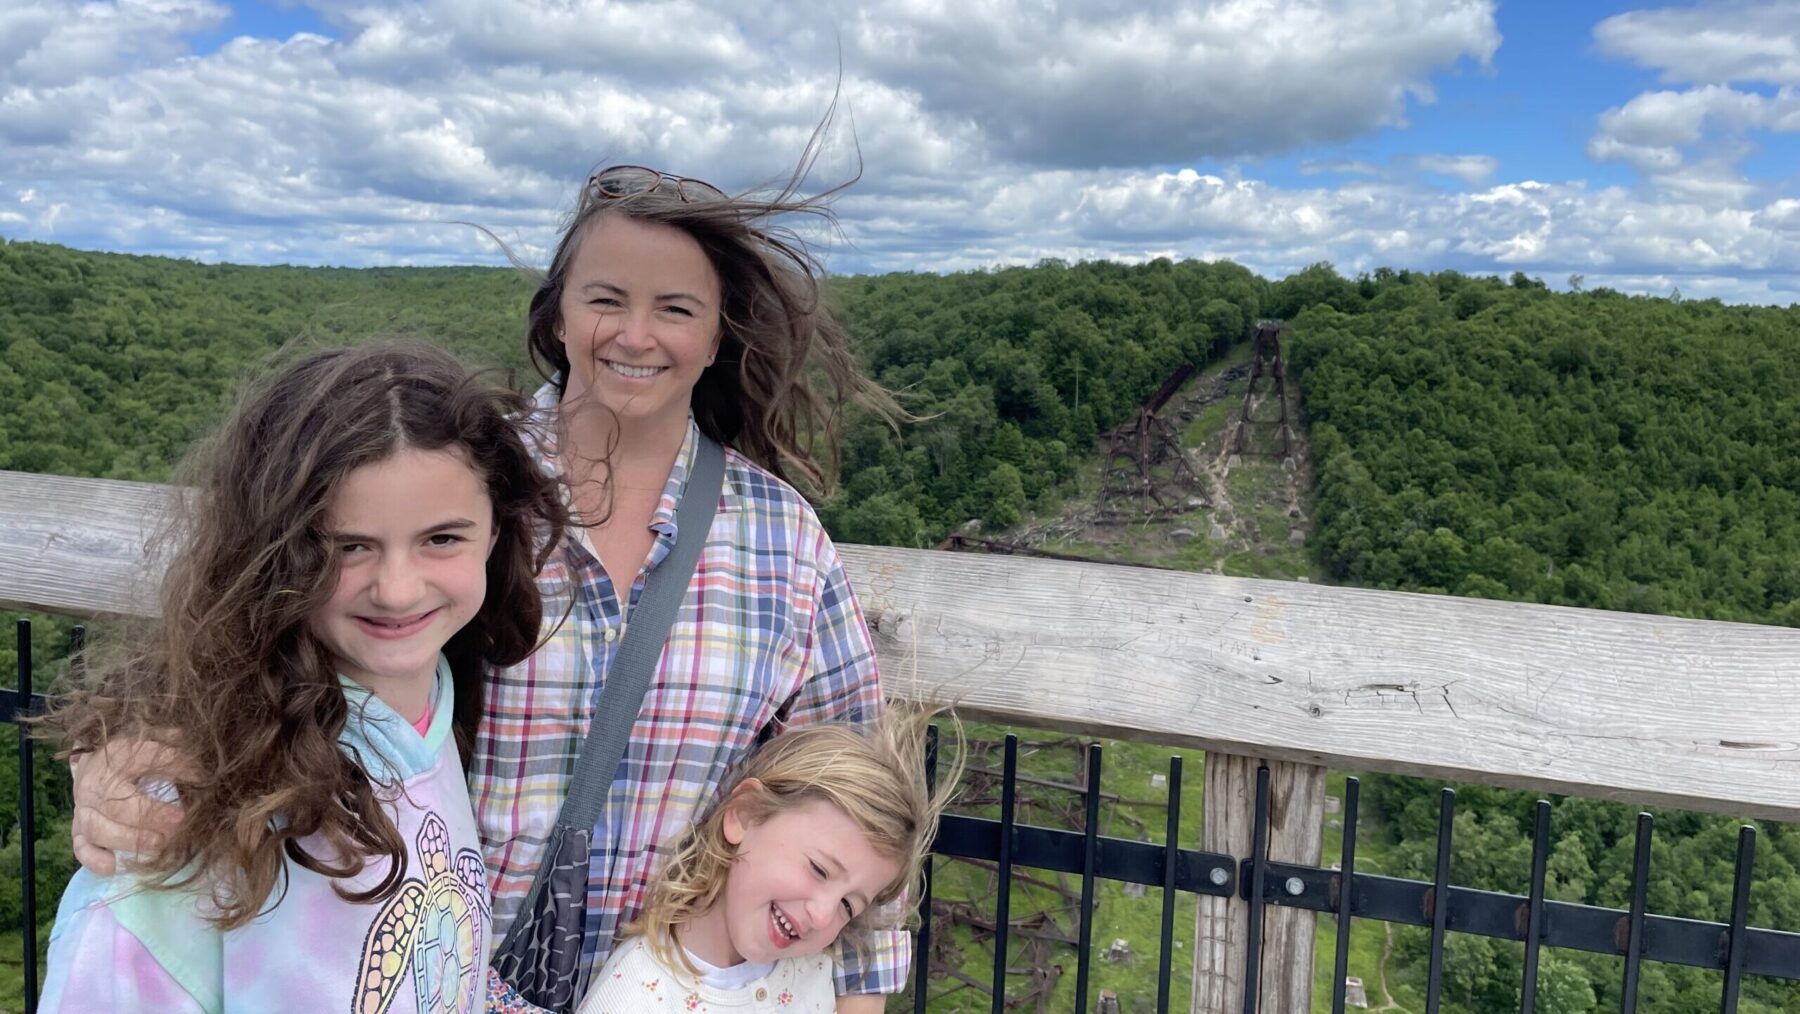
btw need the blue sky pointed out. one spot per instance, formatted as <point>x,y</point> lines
<point>1519,110</point>
<point>261,21</point>
<point>1644,146</point>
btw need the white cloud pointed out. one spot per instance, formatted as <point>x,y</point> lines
<point>1781,216</point>
<point>1546,229</point>
<point>1690,141</point>
<point>990,131</point>
<point>1471,169</point>
<point>1646,158</point>
<point>47,42</point>
<point>1668,118</point>
<point>1093,82</point>
<point>1710,43</point>
<point>1350,167</point>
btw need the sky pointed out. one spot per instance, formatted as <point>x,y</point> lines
<point>1645,148</point>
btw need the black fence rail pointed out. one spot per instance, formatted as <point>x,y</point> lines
<point>1636,936</point>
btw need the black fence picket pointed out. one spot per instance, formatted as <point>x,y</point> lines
<point>1733,948</point>
<point>15,704</point>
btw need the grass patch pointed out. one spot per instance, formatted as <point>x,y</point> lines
<point>1137,813</point>
<point>1198,553</point>
<point>12,967</point>
<point>1285,565</point>
<point>1213,418</point>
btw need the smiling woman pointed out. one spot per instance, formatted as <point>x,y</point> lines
<point>672,315</point>
<point>639,322</point>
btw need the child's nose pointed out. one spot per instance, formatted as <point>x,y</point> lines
<point>823,911</point>
<point>397,583</point>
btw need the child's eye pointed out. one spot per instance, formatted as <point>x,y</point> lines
<point>849,909</point>
<point>445,539</point>
<point>348,548</point>
<point>818,871</point>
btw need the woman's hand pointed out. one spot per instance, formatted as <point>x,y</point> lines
<point>112,814</point>
<point>872,1003</point>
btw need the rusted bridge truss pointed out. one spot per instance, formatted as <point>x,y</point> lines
<point>1267,362</point>
<point>1136,449</point>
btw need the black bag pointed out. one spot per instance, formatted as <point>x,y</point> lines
<point>541,955</point>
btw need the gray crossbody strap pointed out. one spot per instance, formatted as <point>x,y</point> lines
<point>646,631</point>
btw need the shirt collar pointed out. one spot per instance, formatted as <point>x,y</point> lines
<point>663,521</point>
<point>541,440</point>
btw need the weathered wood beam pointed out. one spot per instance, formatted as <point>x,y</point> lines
<point>1643,709</point>
<point>1648,710</point>
<point>77,546</point>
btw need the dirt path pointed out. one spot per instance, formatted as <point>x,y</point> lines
<point>1219,465</point>
<point>1387,951</point>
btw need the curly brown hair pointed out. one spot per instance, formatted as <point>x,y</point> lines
<point>232,664</point>
<point>784,372</point>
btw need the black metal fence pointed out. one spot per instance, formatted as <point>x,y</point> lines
<point>1633,934</point>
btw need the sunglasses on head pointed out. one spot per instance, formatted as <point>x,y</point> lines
<point>618,181</point>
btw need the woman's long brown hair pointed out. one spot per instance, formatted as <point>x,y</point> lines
<point>232,666</point>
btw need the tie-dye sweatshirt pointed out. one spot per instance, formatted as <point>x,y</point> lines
<point>118,947</point>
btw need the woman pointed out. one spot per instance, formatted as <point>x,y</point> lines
<point>669,310</point>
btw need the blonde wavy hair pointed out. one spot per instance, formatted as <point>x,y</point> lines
<point>875,774</point>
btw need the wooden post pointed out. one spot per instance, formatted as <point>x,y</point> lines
<point>1221,927</point>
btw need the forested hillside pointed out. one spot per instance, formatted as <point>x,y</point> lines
<point>1469,435</point>
<point>110,365</point>
<point>1587,449</point>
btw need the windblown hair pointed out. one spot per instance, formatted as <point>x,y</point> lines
<point>875,774</point>
<point>232,667</point>
<point>784,372</point>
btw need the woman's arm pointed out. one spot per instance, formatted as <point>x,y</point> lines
<point>842,681</point>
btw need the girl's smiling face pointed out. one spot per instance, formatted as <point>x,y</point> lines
<point>797,879</point>
<point>412,533</point>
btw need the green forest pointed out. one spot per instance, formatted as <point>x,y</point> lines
<point>1473,436</point>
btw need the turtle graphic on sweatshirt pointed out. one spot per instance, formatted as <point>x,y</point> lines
<point>430,928</point>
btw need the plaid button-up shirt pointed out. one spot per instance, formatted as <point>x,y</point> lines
<point>768,636</point>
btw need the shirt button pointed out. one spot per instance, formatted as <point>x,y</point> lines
<point>611,635</point>
<point>761,994</point>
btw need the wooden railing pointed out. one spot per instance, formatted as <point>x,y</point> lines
<point>1640,709</point>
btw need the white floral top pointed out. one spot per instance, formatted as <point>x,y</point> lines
<point>634,982</point>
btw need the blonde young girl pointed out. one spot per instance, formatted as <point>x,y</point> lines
<point>812,839</point>
<point>362,544</point>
